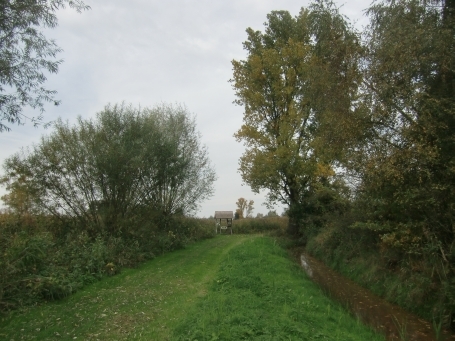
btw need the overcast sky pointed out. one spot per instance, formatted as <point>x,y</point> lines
<point>147,52</point>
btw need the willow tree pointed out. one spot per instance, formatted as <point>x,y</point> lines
<point>126,164</point>
<point>299,77</point>
<point>27,56</point>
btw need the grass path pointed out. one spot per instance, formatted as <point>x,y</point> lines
<point>142,303</point>
<point>226,288</point>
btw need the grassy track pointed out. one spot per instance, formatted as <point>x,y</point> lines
<point>260,294</point>
<point>227,288</point>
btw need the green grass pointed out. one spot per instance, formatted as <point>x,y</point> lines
<point>260,294</point>
<point>226,288</point>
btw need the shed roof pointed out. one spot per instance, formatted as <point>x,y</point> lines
<point>224,214</point>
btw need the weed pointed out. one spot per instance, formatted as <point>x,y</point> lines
<point>402,329</point>
<point>437,327</point>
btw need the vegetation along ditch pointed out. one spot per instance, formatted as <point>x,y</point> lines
<point>387,318</point>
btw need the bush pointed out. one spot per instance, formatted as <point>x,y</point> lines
<point>36,264</point>
<point>260,225</point>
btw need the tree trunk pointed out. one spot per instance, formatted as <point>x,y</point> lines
<point>294,216</point>
<point>293,226</point>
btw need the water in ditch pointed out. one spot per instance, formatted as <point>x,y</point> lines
<point>389,319</point>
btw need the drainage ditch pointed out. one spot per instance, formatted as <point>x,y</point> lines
<point>391,320</point>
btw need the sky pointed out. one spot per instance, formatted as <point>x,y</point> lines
<point>148,52</point>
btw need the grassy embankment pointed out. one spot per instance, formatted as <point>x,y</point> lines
<point>226,288</point>
<point>420,286</point>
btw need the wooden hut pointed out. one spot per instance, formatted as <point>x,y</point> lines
<point>223,221</point>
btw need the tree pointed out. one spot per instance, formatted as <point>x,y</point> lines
<point>241,206</point>
<point>272,214</point>
<point>20,199</point>
<point>406,166</point>
<point>244,208</point>
<point>123,165</point>
<point>185,176</point>
<point>298,74</point>
<point>26,55</point>
<point>249,209</point>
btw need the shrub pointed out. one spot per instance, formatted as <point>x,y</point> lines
<point>260,225</point>
<point>45,259</point>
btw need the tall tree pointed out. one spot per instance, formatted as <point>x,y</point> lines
<point>244,208</point>
<point>185,175</point>
<point>298,73</point>
<point>26,55</point>
<point>20,199</point>
<point>241,207</point>
<point>407,167</point>
<point>125,163</point>
<point>250,209</point>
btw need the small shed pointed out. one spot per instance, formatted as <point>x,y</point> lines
<point>223,221</point>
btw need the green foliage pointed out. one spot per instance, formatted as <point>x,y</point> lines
<point>22,259</point>
<point>299,76</point>
<point>322,204</point>
<point>406,168</point>
<point>28,274</point>
<point>138,304</point>
<point>127,164</point>
<point>26,55</point>
<point>21,196</point>
<point>422,286</point>
<point>99,196</point>
<point>376,108</point>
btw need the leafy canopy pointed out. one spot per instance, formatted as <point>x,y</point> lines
<point>126,164</point>
<point>26,55</point>
<point>300,75</point>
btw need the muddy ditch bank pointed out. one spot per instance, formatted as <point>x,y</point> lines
<point>391,320</point>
